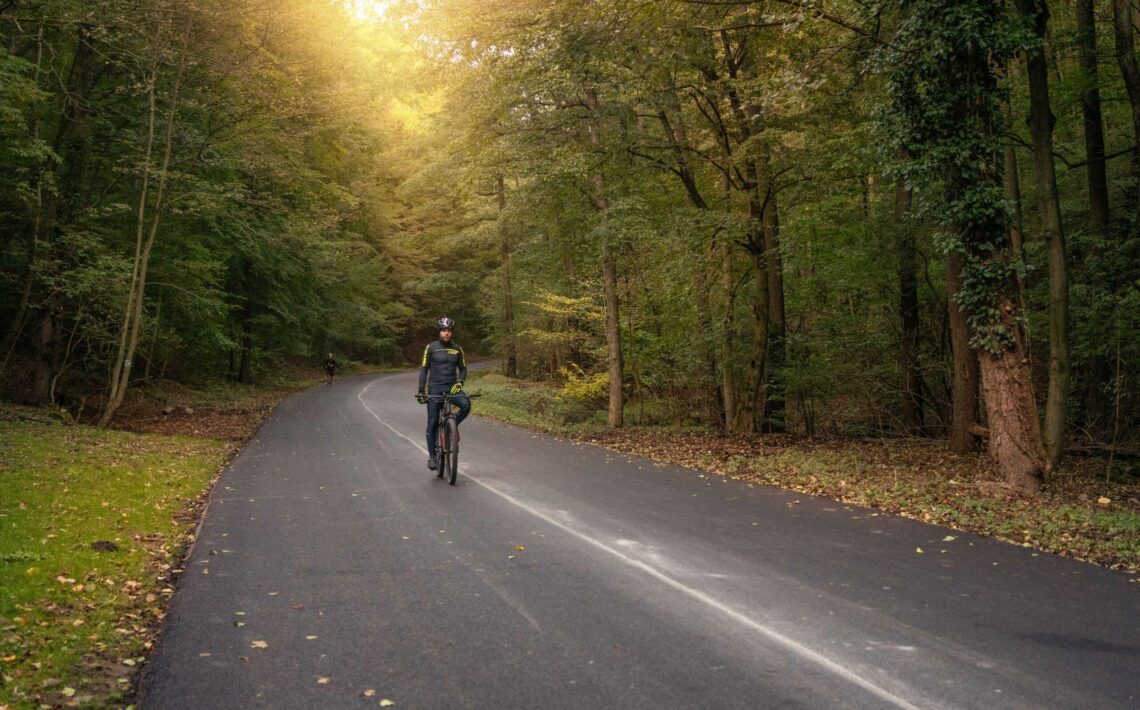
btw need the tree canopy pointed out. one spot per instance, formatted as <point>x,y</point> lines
<point>907,218</point>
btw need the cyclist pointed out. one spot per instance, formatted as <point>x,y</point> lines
<point>443,370</point>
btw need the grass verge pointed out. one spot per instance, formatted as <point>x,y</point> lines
<point>1077,515</point>
<point>94,525</point>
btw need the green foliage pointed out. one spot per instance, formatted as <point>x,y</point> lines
<point>945,112</point>
<point>582,387</point>
<point>336,185</point>
<point>269,240</point>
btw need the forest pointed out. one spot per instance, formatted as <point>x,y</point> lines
<point>912,218</point>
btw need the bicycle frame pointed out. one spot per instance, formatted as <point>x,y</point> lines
<point>447,433</point>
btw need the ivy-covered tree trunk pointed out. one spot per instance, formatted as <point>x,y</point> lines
<point>945,111</point>
<point>1041,130</point>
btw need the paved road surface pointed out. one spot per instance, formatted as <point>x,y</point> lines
<point>333,570</point>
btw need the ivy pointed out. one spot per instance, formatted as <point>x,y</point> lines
<point>944,108</point>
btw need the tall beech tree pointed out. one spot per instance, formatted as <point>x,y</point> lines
<point>1036,14</point>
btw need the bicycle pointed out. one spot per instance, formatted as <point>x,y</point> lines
<point>447,435</point>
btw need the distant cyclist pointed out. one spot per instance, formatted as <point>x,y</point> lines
<point>330,367</point>
<point>443,370</point>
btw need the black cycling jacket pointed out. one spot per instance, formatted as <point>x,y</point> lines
<point>442,367</point>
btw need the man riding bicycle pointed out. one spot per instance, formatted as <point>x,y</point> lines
<point>443,370</point>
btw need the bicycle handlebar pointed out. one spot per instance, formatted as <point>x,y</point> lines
<point>447,395</point>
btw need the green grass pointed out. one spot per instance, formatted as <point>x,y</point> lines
<point>534,405</point>
<point>91,524</point>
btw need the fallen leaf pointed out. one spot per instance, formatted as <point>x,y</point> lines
<point>949,538</point>
<point>520,548</point>
<point>386,703</point>
<point>918,550</point>
<point>370,693</point>
<point>322,680</point>
<point>258,644</point>
<point>68,692</point>
<point>1103,501</point>
<point>205,654</point>
<point>310,638</point>
<point>128,662</point>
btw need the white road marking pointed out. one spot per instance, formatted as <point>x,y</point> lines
<point>746,621</point>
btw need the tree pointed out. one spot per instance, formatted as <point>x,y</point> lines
<point>946,113</point>
<point>1041,120</point>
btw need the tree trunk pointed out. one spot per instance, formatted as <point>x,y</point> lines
<point>706,390</point>
<point>510,353</point>
<point>41,376</point>
<point>614,367</point>
<point>1014,432</point>
<point>964,413</point>
<point>1126,58</point>
<point>1041,129</point>
<point>751,401</point>
<point>1011,184</point>
<point>775,391</point>
<point>728,339</point>
<point>1096,171</point>
<point>129,334</point>
<point>911,409</point>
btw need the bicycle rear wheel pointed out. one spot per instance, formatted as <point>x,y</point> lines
<point>453,450</point>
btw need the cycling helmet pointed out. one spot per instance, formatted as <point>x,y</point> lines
<point>446,323</point>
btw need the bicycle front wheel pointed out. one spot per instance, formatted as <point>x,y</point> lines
<point>441,451</point>
<point>453,448</point>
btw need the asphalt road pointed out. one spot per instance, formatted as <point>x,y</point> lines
<point>333,570</point>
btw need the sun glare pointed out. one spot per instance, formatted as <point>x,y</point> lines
<point>368,9</point>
